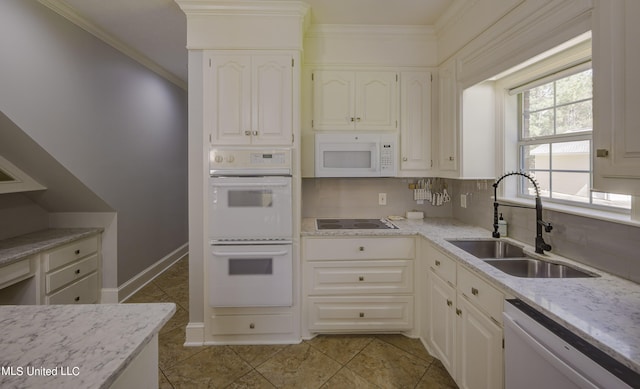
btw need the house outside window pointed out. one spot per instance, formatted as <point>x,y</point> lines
<point>555,122</point>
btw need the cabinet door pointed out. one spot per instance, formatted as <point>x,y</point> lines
<point>616,85</point>
<point>448,119</point>
<point>376,101</point>
<point>228,99</point>
<point>479,349</point>
<point>442,320</point>
<point>415,121</point>
<point>272,103</point>
<point>333,100</point>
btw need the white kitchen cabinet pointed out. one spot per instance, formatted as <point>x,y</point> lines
<point>71,273</point>
<point>248,98</point>
<point>415,122</point>
<point>464,323</point>
<point>355,100</point>
<point>358,284</point>
<point>616,88</point>
<point>466,127</point>
<point>448,118</point>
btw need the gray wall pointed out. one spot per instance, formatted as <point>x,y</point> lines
<point>116,126</point>
<point>609,246</point>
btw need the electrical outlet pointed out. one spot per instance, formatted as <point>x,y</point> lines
<point>382,199</point>
<point>463,200</point>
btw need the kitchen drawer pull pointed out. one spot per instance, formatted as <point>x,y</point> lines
<point>77,271</point>
<point>77,252</point>
<point>474,291</point>
<point>458,311</point>
<point>247,133</point>
<point>361,314</point>
<point>76,299</point>
<point>361,248</point>
<point>437,263</point>
<point>252,326</point>
<point>449,303</point>
<point>361,278</point>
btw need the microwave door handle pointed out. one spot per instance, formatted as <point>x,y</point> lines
<point>250,254</point>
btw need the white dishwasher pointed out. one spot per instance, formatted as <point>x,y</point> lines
<point>540,353</point>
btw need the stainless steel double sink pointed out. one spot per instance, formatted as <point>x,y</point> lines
<point>513,260</point>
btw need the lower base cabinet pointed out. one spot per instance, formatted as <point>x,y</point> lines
<point>464,323</point>
<point>358,284</point>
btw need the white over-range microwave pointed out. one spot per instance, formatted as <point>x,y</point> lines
<point>355,155</point>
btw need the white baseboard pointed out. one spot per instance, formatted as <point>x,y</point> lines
<point>194,334</point>
<point>147,275</point>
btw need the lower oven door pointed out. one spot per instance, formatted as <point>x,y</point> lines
<point>250,276</point>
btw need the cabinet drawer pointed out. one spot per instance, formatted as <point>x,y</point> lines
<point>480,293</point>
<point>360,313</point>
<point>442,265</point>
<point>15,272</point>
<point>359,248</point>
<point>251,324</point>
<point>69,253</point>
<point>353,277</point>
<point>75,271</point>
<point>84,291</point>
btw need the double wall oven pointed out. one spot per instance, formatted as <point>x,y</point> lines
<point>251,228</point>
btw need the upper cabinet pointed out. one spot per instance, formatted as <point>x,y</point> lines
<point>616,87</point>
<point>415,122</point>
<point>355,100</point>
<point>466,127</point>
<point>249,98</point>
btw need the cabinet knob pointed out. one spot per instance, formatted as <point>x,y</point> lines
<point>361,248</point>
<point>361,314</point>
<point>437,263</point>
<point>77,271</point>
<point>602,153</point>
<point>352,119</point>
<point>255,133</point>
<point>77,298</point>
<point>77,252</point>
<point>247,133</point>
<point>405,159</point>
<point>252,326</point>
<point>449,303</point>
<point>450,158</point>
<point>361,278</point>
<point>474,291</point>
<point>458,311</point>
<point>357,119</point>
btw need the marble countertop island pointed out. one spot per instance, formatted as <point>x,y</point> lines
<point>604,310</point>
<point>74,346</point>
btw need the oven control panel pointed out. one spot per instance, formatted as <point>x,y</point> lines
<point>249,161</point>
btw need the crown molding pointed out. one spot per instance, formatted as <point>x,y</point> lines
<point>63,9</point>
<point>370,30</point>
<point>244,7</point>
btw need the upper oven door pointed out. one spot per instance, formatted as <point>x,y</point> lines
<point>250,208</point>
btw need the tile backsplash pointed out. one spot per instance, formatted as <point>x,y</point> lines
<point>358,198</point>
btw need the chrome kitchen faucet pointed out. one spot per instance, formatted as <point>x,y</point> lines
<point>541,245</point>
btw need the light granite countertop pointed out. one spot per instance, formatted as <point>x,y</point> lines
<point>91,344</point>
<point>603,310</point>
<point>17,248</point>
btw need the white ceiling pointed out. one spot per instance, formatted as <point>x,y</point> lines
<point>157,28</point>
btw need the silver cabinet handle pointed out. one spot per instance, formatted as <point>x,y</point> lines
<point>474,291</point>
<point>255,133</point>
<point>361,248</point>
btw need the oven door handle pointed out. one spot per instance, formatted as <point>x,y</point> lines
<point>250,253</point>
<point>256,185</point>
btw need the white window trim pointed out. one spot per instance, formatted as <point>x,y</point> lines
<point>507,86</point>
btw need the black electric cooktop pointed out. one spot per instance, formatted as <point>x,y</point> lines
<point>354,224</point>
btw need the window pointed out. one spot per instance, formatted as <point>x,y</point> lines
<point>555,121</point>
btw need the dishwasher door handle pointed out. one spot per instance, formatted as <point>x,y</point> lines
<point>559,364</point>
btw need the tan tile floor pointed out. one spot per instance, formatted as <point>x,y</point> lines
<point>326,361</point>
